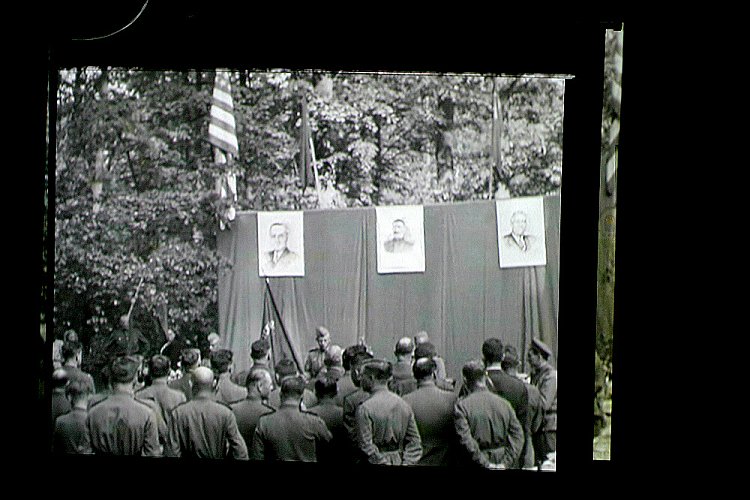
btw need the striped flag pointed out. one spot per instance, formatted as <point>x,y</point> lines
<point>221,128</point>
<point>306,153</point>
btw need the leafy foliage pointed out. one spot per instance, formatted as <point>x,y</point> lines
<point>379,139</point>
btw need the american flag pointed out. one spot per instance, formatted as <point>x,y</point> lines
<point>221,128</point>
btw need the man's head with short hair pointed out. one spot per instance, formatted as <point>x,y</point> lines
<point>285,369</point>
<point>510,359</point>
<point>421,337</point>
<point>322,337</point>
<point>492,351</point>
<point>279,233</point>
<point>221,360</point>
<point>213,341</point>
<point>78,390</point>
<point>326,387</point>
<point>360,358</point>
<point>203,380</point>
<point>71,351</point>
<point>124,369</point>
<point>518,222</point>
<point>350,353</point>
<point>425,350</point>
<point>259,382</point>
<point>259,350</point>
<point>474,374</point>
<point>398,228</point>
<point>158,366</point>
<point>375,373</point>
<point>190,358</point>
<point>59,378</point>
<point>292,388</point>
<point>404,348</point>
<point>333,356</point>
<point>424,368</point>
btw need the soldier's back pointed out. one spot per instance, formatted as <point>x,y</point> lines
<point>290,434</point>
<point>202,427</point>
<point>248,413</point>
<point>433,412</point>
<point>122,425</point>
<point>71,434</point>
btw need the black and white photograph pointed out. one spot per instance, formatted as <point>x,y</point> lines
<point>520,232</point>
<point>281,245</point>
<point>184,197</point>
<point>400,236</point>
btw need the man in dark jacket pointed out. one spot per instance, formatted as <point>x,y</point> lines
<point>204,427</point>
<point>333,415</point>
<point>189,361</point>
<point>290,434</point>
<point>433,412</point>
<point>544,378</point>
<point>249,410</point>
<point>403,381</point>
<point>488,430</point>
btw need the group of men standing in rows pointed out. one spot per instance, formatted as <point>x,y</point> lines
<point>347,406</point>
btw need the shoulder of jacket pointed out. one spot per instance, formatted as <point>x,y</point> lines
<point>144,402</point>
<point>98,402</point>
<point>179,406</point>
<point>222,403</point>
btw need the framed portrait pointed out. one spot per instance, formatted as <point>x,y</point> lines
<point>281,245</point>
<point>400,239</point>
<point>520,232</point>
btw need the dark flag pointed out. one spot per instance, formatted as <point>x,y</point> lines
<point>273,330</point>
<point>306,154</point>
<point>497,133</point>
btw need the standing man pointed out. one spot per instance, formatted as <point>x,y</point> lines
<point>260,356</point>
<point>315,360</point>
<point>512,390</point>
<point>60,402</point>
<point>346,385</point>
<point>189,361</point>
<point>226,390</point>
<point>287,369</point>
<point>290,434</point>
<point>352,401</point>
<point>167,398</point>
<point>427,350</point>
<point>544,378</point>
<point>71,434</point>
<point>204,427</point>
<point>333,415</point>
<point>487,427</point>
<point>72,353</point>
<point>386,430</point>
<point>249,410</point>
<point>421,338</point>
<point>403,381</point>
<point>433,412</point>
<point>120,424</point>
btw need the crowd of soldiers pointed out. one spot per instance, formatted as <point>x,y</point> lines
<point>346,406</point>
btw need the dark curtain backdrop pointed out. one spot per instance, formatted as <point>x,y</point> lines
<point>462,299</point>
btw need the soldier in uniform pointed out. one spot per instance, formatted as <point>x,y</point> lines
<point>285,369</point>
<point>71,434</point>
<point>386,430</point>
<point>316,356</point>
<point>260,356</point>
<point>190,359</point>
<point>345,384</point>
<point>226,390</point>
<point>72,353</point>
<point>333,415</point>
<point>433,412</point>
<point>166,397</point>
<point>290,434</point>
<point>403,381</point>
<point>249,410</point>
<point>535,407</point>
<point>487,427</point>
<point>511,389</point>
<point>427,350</point>
<point>351,403</point>
<point>422,338</point>
<point>544,378</point>
<point>204,427</point>
<point>120,424</point>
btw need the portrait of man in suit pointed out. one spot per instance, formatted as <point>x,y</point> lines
<point>275,256</point>
<point>520,232</point>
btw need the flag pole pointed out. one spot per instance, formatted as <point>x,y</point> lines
<point>315,169</point>
<point>283,328</point>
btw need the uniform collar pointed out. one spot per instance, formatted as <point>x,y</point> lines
<point>426,383</point>
<point>159,381</point>
<point>289,404</point>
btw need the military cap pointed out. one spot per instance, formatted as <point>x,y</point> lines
<point>124,369</point>
<point>258,349</point>
<point>425,350</point>
<point>542,348</point>
<point>322,331</point>
<point>405,345</point>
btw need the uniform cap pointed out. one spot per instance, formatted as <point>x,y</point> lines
<point>322,331</point>
<point>542,348</point>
